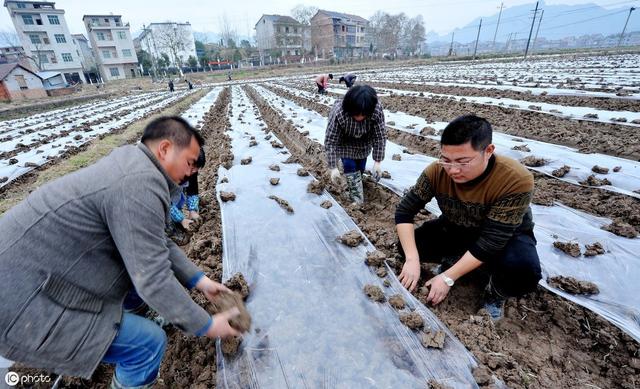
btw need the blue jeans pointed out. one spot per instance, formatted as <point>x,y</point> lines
<point>353,165</point>
<point>137,351</point>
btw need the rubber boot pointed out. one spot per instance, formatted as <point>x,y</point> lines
<point>117,385</point>
<point>354,186</point>
<point>494,302</point>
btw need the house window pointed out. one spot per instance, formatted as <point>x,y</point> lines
<point>27,19</point>
<point>54,59</point>
<point>94,20</point>
<point>114,72</point>
<point>44,58</point>
<point>106,20</point>
<point>126,52</point>
<point>295,29</point>
<point>286,29</point>
<point>122,35</point>
<point>35,39</point>
<point>22,83</point>
<point>100,36</point>
<point>106,54</point>
<point>53,19</point>
<point>60,38</point>
<point>343,29</point>
<point>66,57</point>
<point>22,5</point>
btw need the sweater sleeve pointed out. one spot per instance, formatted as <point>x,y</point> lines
<point>332,137</point>
<point>379,140</point>
<point>415,199</point>
<point>136,221</point>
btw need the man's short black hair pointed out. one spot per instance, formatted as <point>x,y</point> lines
<point>173,128</point>
<point>468,128</point>
<point>341,80</point>
<point>360,100</point>
<point>201,159</point>
<point>331,76</point>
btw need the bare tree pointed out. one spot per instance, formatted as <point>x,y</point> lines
<point>413,35</point>
<point>173,39</point>
<point>303,13</point>
<point>10,38</point>
<point>376,22</point>
<point>391,32</point>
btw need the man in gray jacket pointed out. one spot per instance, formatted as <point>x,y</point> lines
<point>72,250</point>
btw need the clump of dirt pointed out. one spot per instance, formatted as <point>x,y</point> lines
<point>225,301</point>
<point>246,161</point>
<point>524,148</point>
<point>230,345</point>
<point>594,249</point>
<point>224,180</point>
<point>375,258</point>
<point>268,137</point>
<point>226,160</point>
<point>238,284</point>
<point>561,172</point>
<point>391,123</point>
<point>275,167</point>
<point>621,229</point>
<point>397,301</point>
<point>302,172</point>
<point>569,248</point>
<point>283,203</point>
<point>600,169</point>
<point>326,204</point>
<point>396,157</point>
<point>619,120</point>
<point>374,293</point>
<point>573,286</point>
<point>433,384</point>
<point>227,196</point>
<point>352,238</point>
<point>386,283</point>
<point>535,107</point>
<point>433,339</point>
<point>532,161</point>
<point>253,143</point>
<point>412,320</point>
<point>593,181</point>
<point>381,272</point>
<point>483,376</point>
<point>617,169</point>
<point>274,181</point>
<point>386,174</point>
<point>316,187</point>
<point>13,161</point>
<point>4,179</point>
<point>276,145</point>
<point>30,164</point>
<point>591,116</point>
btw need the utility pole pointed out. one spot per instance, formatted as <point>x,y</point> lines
<point>475,50</point>
<point>495,34</point>
<point>537,31</point>
<point>506,47</point>
<point>451,47</point>
<point>625,25</point>
<point>533,22</point>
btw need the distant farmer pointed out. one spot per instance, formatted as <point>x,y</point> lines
<point>229,75</point>
<point>356,127</point>
<point>189,84</point>
<point>349,79</point>
<point>171,88</point>
<point>322,82</point>
<point>178,223</point>
<point>74,248</point>
<point>486,219</point>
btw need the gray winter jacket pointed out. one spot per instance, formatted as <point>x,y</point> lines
<point>69,253</point>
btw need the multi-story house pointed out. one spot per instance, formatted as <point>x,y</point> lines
<point>45,37</point>
<point>338,35</point>
<point>88,59</point>
<point>113,47</point>
<point>280,36</point>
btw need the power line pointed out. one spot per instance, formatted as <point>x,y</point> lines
<point>585,20</point>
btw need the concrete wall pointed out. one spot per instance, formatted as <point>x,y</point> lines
<point>34,85</point>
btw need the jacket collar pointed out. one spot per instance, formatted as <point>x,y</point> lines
<point>173,187</point>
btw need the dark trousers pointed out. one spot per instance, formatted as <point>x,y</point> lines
<point>353,165</point>
<point>321,89</point>
<point>514,272</point>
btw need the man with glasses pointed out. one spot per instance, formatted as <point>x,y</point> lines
<point>486,220</point>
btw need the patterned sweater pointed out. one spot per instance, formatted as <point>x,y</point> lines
<point>347,138</point>
<point>492,207</point>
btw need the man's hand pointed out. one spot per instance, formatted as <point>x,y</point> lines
<point>193,215</point>
<point>410,273</point>
<point>438,290</point>
<point>377,171</point>
<point>211,289</point>
<point>335,175</point>
<point>186,223</point>
<point>220,327</point>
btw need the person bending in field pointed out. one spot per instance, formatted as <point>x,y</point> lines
<point>322,82</point>
<point>189,195</point>
<point>349,79</point>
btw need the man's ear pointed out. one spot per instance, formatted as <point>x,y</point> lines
<point>163,147</point>
<point>490,149</point>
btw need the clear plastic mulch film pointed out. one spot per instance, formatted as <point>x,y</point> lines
<point>615,272</point>
<point>623,175</point>
<point>313,325</point>
<point>25,132</point>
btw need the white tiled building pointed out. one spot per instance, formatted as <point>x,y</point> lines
<point>45,37</point>
<point>113,47</point>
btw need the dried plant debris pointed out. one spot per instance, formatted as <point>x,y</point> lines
<point>246,161</point>
<point>412,320</point>
<point>570,248</point>
<point>381,272</point>
<point>326,204</point>
<point>302,172</point>
<point>396,157</point>
<point>352,238</point>
<point>593,181</point>
<point>283,203</point>
<point>397,301</point>
<point>561,172</point>
<point>573,286</point>
<point>533,161</point>
<point>315,187</point>
<point>274,181</point>
<point>386,174</point>
<point>524,148</point>
<point>238,284</point>
<point>600,169</point>
<point>227,300</point>
<point>594,249</point>
<point>375,258</point>
<point>374,293</point>
<point>275,167</point>
<point>433,339</point>
<point>227,196</point>
<point>621,229</point>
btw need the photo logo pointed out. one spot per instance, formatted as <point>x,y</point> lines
<point>11,378</point>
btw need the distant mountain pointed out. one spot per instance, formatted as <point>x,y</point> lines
<point>559,21</point>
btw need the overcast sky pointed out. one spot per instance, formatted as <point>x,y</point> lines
<point>439,15</point>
